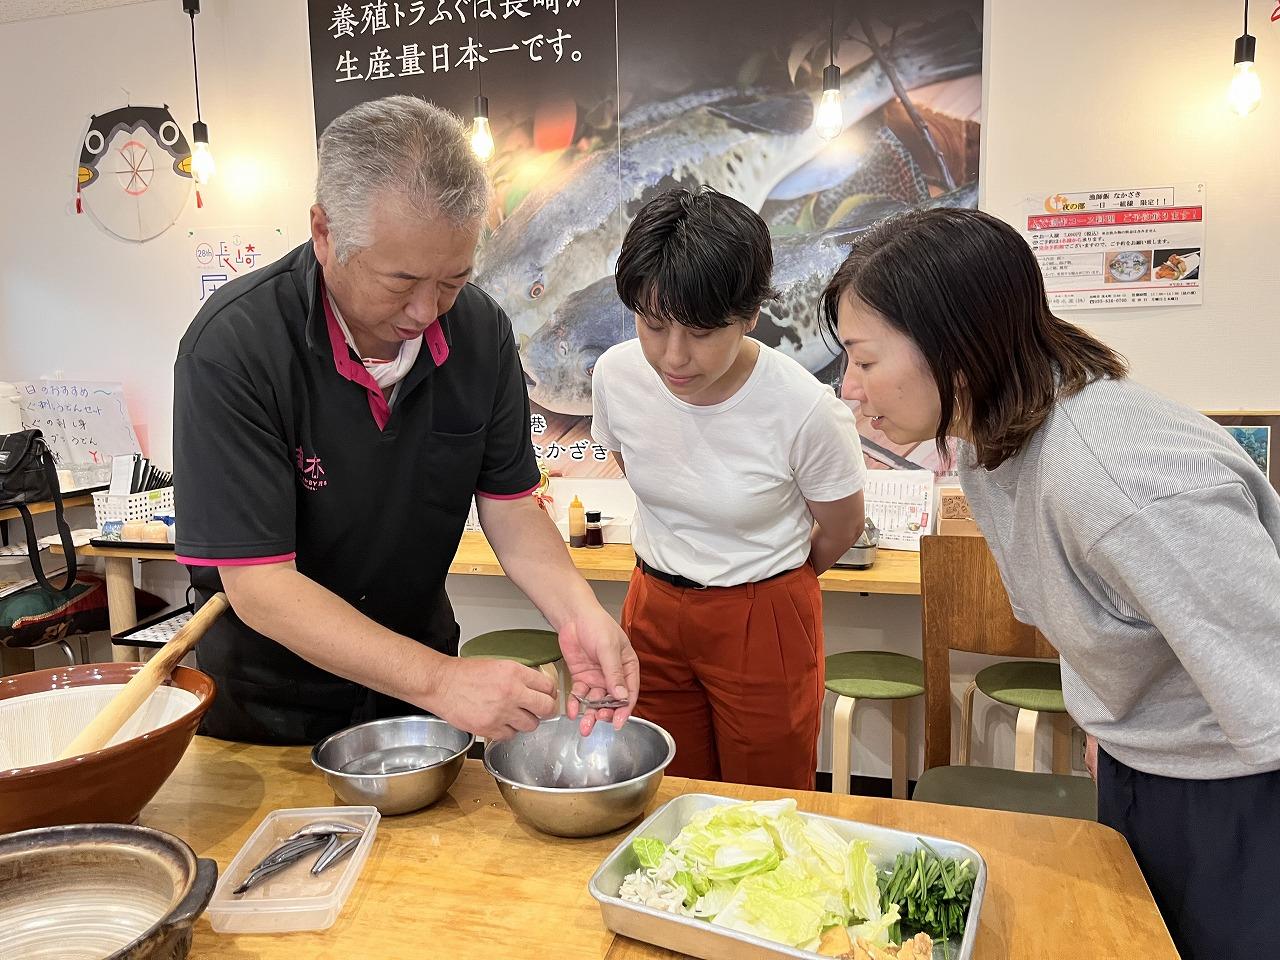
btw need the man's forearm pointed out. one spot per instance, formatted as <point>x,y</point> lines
<point>322,628</point>
<point>534,557</point>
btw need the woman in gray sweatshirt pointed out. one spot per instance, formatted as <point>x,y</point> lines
<point>1132,531</point>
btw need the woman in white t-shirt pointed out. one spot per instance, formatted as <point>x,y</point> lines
<point>748,478</point>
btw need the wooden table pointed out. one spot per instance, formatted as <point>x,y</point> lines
<point>464,879</point>
<point>896,572</point>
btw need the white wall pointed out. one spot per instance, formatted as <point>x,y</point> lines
<point>1072,102</point>
<point>76,300</point>
<point>1076,101</point>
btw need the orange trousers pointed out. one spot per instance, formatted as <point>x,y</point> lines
<point>734,674</point>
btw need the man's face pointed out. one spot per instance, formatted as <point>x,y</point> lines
<point>397,286</point>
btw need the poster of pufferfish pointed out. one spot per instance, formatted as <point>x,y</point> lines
<point>596,107</point>
<point>134,175</point>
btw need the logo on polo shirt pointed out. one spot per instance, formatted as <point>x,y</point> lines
<point>310,472</point>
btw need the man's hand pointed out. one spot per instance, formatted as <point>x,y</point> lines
<point>1091,756</point>
<point>601,664</point>
<point>494,699</point>
<point>596,651</point>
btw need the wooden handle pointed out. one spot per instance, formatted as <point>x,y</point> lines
<point>143,683</point>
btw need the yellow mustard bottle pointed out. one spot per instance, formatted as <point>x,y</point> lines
<point>577,524</point>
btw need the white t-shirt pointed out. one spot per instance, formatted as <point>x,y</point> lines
<point>720,490</point>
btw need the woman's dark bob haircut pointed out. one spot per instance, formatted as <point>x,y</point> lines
<point>966,289</point>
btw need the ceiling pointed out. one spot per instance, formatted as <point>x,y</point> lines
<point>11,10</point>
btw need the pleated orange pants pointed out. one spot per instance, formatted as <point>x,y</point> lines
<point>734,674</point>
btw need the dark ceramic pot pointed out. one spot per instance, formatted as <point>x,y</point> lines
<point>100,892</point>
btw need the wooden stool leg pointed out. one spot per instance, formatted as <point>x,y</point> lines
<point>553,671</point>
<point>842,744</point>
<point>1024,751</point>
<point>966,722</point>
<point>1061,743</point>
<point>901,717</point>
<point>122,611</point>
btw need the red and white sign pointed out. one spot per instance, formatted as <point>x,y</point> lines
<point>1134,247</point>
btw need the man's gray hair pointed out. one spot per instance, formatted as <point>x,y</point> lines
<point>404,148</point>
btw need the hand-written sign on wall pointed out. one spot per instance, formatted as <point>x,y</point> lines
<point>84,423</point>
<point>220,254</point>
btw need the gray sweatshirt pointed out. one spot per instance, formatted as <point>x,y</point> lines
<point>1142,541</point>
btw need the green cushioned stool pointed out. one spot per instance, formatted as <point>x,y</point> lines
<point>539,649</point>
<point>533,648</point>
<point>1033,687</point>
<point>1048,794</point>
<point>871,675</point>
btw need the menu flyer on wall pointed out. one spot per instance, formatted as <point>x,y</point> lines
<point>1134,247</point>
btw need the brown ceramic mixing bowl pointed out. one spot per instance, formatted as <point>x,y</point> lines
<point>41,712</point>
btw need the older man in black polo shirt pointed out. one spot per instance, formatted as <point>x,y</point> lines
<point>334,413</point>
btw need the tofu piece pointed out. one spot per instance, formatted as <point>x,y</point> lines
<point>835,942</point>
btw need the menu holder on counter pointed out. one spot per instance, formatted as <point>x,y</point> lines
<point>901,502</point>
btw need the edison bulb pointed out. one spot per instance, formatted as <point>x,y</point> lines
<point>202,166</point>
<point>1246,88</point>
<point>481,138</point>
<point>829,118</point>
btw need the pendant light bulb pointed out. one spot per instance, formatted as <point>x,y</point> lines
<point>828,119</point>
<point>481,134</point>
<point>202,166</point>
<point>1246,87</point>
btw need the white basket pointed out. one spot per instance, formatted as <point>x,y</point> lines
<point>133,506</point>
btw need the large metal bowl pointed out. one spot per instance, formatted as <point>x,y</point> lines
<point>398,765</point>
<point>569,785</point>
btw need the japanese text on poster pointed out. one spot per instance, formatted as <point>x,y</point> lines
<point>1119,248</point>
<point>399,41</point>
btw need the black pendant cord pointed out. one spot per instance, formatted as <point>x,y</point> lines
<point>831,49</point>
<point>195,64</point>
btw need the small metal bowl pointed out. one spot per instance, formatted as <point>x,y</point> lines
<point>398,765</point>
<point>569,785</point>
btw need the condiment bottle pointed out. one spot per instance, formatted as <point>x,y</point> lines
<point>577,524</point>
<point>595,533</point>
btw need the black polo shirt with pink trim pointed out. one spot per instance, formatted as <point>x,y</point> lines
<point>286,449</point>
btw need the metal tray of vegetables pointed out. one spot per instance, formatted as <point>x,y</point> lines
<point>731,880</point>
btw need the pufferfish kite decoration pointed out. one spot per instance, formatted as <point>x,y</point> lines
<point>135,172</point>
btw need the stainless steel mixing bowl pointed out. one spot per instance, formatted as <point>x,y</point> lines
<point>574,786</point>
<point>398,765</point>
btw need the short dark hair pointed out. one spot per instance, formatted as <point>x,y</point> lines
<point>696,257</point>
<point>966,289</point>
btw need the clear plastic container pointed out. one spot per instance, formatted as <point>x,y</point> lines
<point>292,899</point>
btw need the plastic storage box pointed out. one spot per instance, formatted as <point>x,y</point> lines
<point>292,899</point>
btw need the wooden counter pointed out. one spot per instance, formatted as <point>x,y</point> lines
<point>464,879</point>
<point>894,572</point>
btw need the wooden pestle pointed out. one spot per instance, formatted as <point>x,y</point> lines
<point>143,683</point>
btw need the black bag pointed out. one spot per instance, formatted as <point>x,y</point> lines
<point>27,475</point>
